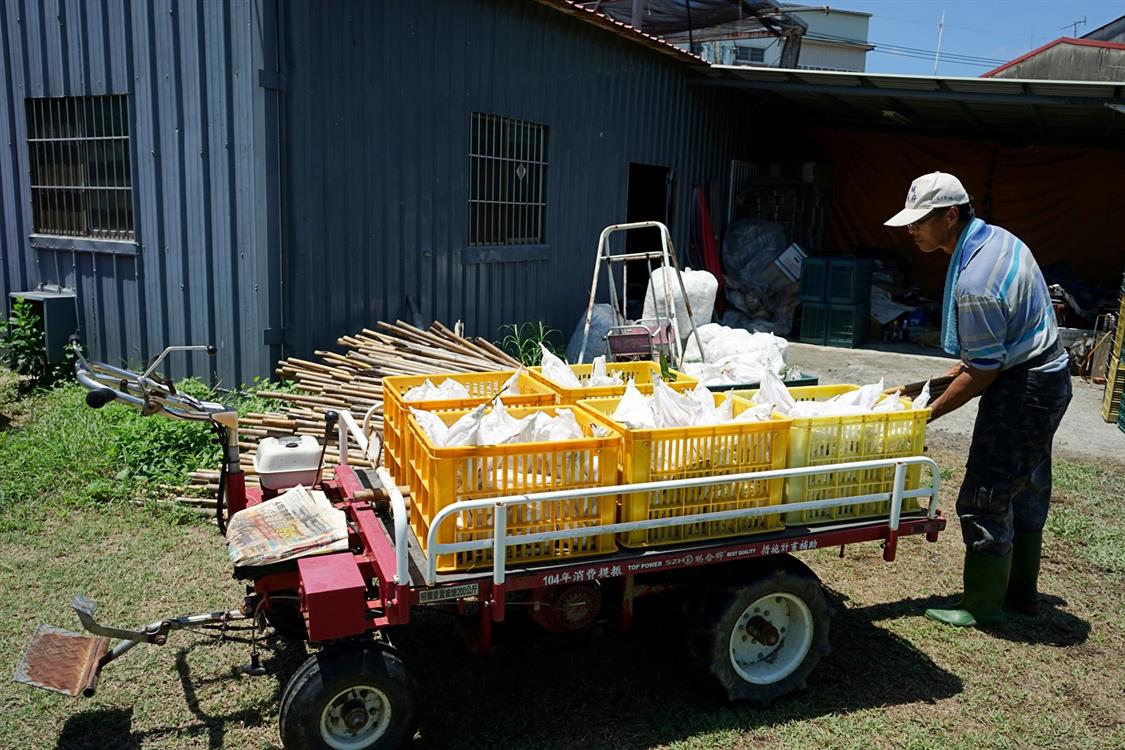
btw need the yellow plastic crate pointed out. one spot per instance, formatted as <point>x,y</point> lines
<point>1114,388</point>
<point>482,386</point>
<point>641,373</point>
<point>817,441</point>
<point>687,452</point>
<point>442,476</point>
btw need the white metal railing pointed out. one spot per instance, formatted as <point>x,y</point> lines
<point>501,540</point>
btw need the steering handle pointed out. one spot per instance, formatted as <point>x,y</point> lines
<point>99,398</point>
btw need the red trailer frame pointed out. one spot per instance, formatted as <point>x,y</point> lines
<point>769,626</point>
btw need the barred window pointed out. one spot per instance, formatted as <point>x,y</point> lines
<point>81,179</point>
<point>746,54</point>
<point>507,181</point>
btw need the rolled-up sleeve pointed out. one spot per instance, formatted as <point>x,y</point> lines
<point>982,325</point>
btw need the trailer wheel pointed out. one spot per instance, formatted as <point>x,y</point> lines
<point>355,696</point>
<point>765,637</point>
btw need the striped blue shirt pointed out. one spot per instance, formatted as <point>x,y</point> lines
<point>1004,313</point>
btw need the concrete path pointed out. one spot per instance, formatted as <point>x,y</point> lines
<point>1082,434</point>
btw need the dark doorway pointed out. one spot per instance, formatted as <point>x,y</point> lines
<point>650,199</point>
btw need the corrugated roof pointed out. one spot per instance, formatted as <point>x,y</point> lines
<point>588,12</point>
<point>1079,112</point>
<point>1049,45</point>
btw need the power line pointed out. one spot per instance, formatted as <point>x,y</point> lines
<point>910,51</point>
<point>930,58</point>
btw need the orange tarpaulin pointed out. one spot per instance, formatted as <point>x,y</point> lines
<point>1067,204</point>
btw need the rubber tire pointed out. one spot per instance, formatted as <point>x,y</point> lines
<point>720,612</point>
<point>284,616</point>
<point>324,674</point>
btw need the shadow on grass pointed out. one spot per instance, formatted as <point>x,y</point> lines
<point>112,728</point>
<point>1053,626</point>
<point>95,730</point>
<point>601,688</point>
<point>632,690</point>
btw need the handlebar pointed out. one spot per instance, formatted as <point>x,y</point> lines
<point>147,391</point>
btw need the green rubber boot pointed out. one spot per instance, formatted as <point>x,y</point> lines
<point>986,581</point>
<point>1023,583</point>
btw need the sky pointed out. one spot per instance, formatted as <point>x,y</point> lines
<point>997,30</point>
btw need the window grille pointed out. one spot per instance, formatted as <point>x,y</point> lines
<point>746,54</point>
<point>81,179</point>
<point>507,181</point>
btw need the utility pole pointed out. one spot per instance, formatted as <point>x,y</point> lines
<point>940,31</point>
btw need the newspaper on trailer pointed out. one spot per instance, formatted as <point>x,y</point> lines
<point>297,523</point>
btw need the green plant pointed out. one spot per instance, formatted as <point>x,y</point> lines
<point>523,341</point>
<point>25,349</point>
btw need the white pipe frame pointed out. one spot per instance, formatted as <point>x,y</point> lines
<point>501,540</point>
<point>348,426</point>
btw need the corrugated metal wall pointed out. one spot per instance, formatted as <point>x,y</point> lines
<point>199,272</point>
<point>326,146</point>
<point>377,128</point>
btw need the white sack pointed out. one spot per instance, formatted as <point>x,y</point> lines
<point>757,413</point>
<point>498,426</point>
<point>563,426</point>
<point>466,430</point>
<point>449,390</point>
<point>671,409</point>
<point>431,424</point>
<point>634,410</point>
<point>773,391</point>
<point>701,289</point>
<point>599,376</point>
<point>923,398</point>
<point>558,371</point>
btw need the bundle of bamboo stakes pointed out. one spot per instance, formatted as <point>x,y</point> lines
<point>353,381</point>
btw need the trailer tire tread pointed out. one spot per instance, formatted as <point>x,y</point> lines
<point>719,610</point>
<point>334,668</point>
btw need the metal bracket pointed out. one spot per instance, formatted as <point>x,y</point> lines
<point>273,336</point>
<point>272,80</point>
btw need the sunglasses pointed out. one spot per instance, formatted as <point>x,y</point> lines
<point>912,226</point>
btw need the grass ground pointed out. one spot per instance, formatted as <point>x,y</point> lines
<point>893,679</point>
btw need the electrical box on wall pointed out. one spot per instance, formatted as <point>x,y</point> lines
<point>57,310</point>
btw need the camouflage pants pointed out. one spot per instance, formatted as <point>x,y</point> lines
<point>1007,485</point>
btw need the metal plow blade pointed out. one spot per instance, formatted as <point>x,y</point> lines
<point>62,661</point>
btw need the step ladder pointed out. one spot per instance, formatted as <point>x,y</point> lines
<point>661,331</point>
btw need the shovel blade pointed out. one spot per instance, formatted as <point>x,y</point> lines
<point>62,661</point>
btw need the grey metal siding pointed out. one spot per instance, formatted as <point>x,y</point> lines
<point>1070,62</point>
<point>301,168</point>
<point>377,126</point>
<point>190,70</point>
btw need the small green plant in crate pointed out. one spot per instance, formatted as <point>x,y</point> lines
<point>522,341</point>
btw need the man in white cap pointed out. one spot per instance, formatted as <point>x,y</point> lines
<point>997,317</point>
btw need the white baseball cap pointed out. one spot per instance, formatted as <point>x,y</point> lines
<point>930,191</point>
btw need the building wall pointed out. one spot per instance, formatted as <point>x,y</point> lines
<point>377,119</point>
<point>1114,31</point>
<point>198,271</point>
<point>819,55</point>
<point>835,40</point>
<point>1070,62</point>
